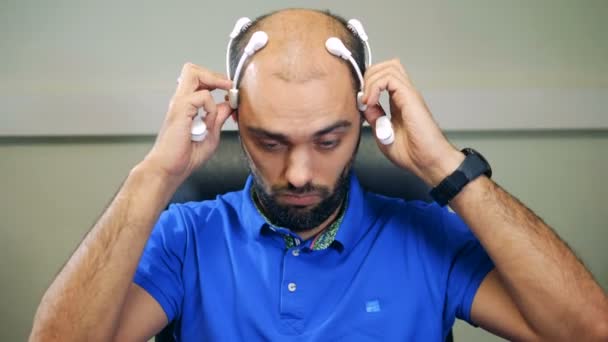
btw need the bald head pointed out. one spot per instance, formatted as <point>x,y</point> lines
<point>296,46</point>
<point>297,49</point>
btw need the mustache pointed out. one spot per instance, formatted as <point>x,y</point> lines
<point>309,188</point>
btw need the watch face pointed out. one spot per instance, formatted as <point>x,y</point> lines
<point>468,151</point>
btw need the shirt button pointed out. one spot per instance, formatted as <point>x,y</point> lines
<point>291,287</point>
<point>295,252</point>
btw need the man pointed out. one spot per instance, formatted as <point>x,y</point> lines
<point>302,253</point>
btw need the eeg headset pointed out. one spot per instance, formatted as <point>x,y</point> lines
<point>259,39</point>
<point>199,128</point>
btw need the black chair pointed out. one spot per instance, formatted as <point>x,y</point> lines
<point>227,171</point>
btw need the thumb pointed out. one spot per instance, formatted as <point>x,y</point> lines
<point>223,112</point>
<point>372,113</point>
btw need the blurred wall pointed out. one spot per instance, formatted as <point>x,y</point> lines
<point>52,189</point>
<point>109,67</point>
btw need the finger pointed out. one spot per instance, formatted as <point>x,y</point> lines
<point>401,68</point>
<point>380,67</point>
<point>386,82</point>
<point>208,103</point>
<point>389,69</point>
<point>218,75</point>
<point>223,112</point>
<point>372,113</point>
<point>210,108</point>
<point>200,99</point>
<point>193,78</point>
<point>396,64</point>
<point>390,64</point>
<point>189,105</point>
<point>373,79</point>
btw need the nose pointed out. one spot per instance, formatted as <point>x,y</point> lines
<point>299,168</point>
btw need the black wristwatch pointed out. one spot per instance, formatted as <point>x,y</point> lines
<point>473,166</point>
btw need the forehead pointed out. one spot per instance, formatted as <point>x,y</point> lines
<point>297,108</point>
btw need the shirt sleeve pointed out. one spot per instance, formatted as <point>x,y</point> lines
<point>160,268</point>
<point>468,266</point>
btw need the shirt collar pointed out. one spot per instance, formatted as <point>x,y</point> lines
<point>250,217</point>
<point>357,219</point>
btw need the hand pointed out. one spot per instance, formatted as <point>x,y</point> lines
<point>174,154</point>
<point>419,144</point>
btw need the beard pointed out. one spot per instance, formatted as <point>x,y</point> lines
<point>300,218</point>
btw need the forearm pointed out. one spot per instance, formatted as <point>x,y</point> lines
<point>552,289</point>
<point>85,299</point>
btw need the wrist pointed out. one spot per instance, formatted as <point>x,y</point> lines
<point>147,173</point>
<point>442,167</point>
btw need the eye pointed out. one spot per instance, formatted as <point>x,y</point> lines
<point>328,144</point>
<point>270,145</point>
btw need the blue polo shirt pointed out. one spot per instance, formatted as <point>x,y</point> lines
<point>397,270</point>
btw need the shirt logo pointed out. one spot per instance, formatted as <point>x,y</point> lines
<point>372,306</point>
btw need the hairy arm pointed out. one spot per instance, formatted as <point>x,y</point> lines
<point>93,297</point>
<point>554,293</point>
<point>85,300</point>
<point>539,290</point>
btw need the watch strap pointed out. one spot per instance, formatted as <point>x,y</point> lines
<point>449,187</point>
<point>473,166</point>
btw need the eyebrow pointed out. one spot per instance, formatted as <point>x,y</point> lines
<point>260,132</point>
